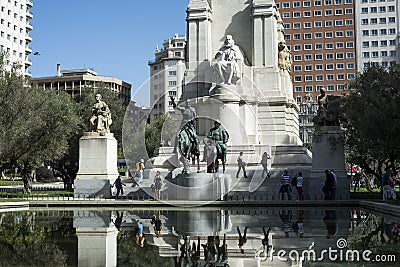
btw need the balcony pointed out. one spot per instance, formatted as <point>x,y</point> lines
<point>29,15</point>
<point>28,39</point>
<point>28,50</point>
<point>28,63</point>
<point>29,3</point>
<point>28,27</point>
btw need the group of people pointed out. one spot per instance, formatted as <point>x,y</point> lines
<point>287,185</point>
<point>329,188</point>
<point>388,185</point>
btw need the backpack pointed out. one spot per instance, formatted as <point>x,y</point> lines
<point>137,166</point>
<point>294,181</point>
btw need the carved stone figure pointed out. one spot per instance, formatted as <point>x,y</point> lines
<point>229,60</point>
<point>101,117</point>
<point>328,110</point>
<point>284,57</point>
<point>220,137</point>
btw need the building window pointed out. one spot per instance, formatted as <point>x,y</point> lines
<point>365,32</point>
<point>338,23</point>
<point>308,57</point>
<point>296,15</point>
<point>308,67</point>
<point>328,34</point>
<point>364,22</point>
<point>177,54</point>
<point>365,44</point>
<point>349,45</point>
<point>382,9</point>
<point>307,36</point>
<point>328,12</point>
<point>340,66</point>
<point>318,47</point>
<point>339,45</point>
<point>172,93</point>
<point>172,83</point>
<point>373,9</point>
<point>318,24</point>
<point>328,23</point>
<point>297,58</point>
<point>306,4</point>
<point>307,25</point>
<point>296,25</point>
<point>364,10</point>
<point>339,56</point>
<point>317,13</point>
<point>374,21</point>
<point>329,46</point>
<point>349,11</point>
<point>296,36</point>
<point>306,14</point>
<point>319,67</point>
<point>330,87</point>
<point>298,89</point>
<point>384,53</point>
<point>329,66</point>
<point>171,63</point>
<point>349,22</point>
<point>383,32</point>
<point>392,20</point>
<point>338,34</point>
<point>350,76</point>
<point>298,99</point>
<point>318,35</point>
<point>172,73</point>
<point>375,54</point>
<point>338,12</point>
<point>286,5</point>
<point>391,9</point>
<point>297,68</point>
<point>297,47</point>
<point>307,47</point>
<point>349,33</point>
<point>338,2</point>
<point>330,77</point>
<point>365,54</point>
<point>318,56</point>
<point>317,3</point>
<point>340,87</point>
<point>296,4</point>
<point>309,88</point>
<point>349,55</point>
<point>297,78</point>
<point>374,43</point>
<point>319,78</point>
<point>328,2</point>
<point>382,20</point>
<point>340,77</point>
<point>309,78</point>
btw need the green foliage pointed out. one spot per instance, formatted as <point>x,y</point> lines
<point>372,119</point>
<point>35,125</point>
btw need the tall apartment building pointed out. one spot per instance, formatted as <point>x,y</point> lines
<point>166,74</point>
<point>14,32</point>
<point>74,81</point>
<point>321,35</point>
<point>377,30</point>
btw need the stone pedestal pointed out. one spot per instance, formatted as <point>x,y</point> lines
<point>97,238</point>
<point>199,186</point>
<point>97,165</point>
<point>328,154</point>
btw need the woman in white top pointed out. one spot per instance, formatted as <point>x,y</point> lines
<point>299,186</point>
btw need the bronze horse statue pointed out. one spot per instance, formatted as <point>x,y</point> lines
<point>188,146</point>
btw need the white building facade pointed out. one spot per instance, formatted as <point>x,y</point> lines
<point>377,29</point>
<point>14,32</point>
<point>166,75</point>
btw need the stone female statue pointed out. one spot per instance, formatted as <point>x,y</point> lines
<point>101,117</point>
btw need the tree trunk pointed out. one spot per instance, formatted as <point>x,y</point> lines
<point>27,179</point>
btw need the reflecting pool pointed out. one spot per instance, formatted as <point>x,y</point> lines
<point>199,237</point>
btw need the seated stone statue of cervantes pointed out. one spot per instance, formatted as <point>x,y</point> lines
<point>228,62</point>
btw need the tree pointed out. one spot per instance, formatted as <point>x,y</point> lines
<point>371,116</point>
<point>35,125</point>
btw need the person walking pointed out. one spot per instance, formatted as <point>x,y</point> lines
<point>265,242</point>
<point>139,169</point>
<point>158,184</point>
<point>241,165</point>
<point>285,185</point>
<point>299,186</point>
<point>334,185</point>
<point>264,163</point>
<point>118,184</point>
<point>242,239</point>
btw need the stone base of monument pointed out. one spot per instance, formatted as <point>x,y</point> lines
<point>328,154</point>
<point>199,186</point>
<point>97,165</point>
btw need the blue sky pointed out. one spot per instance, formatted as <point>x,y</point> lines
<point>116,38</point>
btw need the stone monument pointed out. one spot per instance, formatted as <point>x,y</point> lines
<point>97,155</point>
<point>328,148</point>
